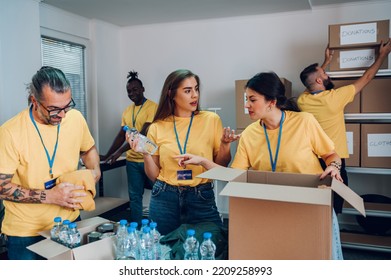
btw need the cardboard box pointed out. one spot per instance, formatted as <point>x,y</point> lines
<point>98,250</point>
<point>358,34</point>
<point>355,59</point>
<point>375,97</point>
<point>376,145</point>
<point>276,215</point>
<point>353,137</point>
<point>354,106</point>
<point>242,117</point>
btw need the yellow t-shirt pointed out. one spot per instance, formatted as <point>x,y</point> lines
<point>204,140</point>
<point>23,155</point>
<point>143,114</point>
<point>328,108</point>
<point>302,140</point>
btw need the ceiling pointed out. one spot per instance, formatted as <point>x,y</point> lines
<point>140,12</point>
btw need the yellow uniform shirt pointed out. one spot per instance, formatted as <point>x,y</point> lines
<point>328,108</point>
<point>143,114</point>
<point>302,140</point>
<point>23,155</point>
<point>204,140</point>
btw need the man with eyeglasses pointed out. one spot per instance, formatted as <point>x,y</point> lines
<point>41,143</point>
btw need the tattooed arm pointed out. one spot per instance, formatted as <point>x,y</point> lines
<point>62,194</point>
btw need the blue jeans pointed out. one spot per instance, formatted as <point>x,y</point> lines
<point>171,206</point>
<point>137,180</point>
<point>16,247</point>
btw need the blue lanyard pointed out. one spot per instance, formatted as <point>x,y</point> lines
<point>134,118</point>
<point>187,135</point>
<point>50,160</point>
<point>274,162</point>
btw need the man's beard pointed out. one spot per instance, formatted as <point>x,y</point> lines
<point>328,84</point>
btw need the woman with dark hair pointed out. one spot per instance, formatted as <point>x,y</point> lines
<point>283,140</point>
<point>136,115</point>
<point>180,127</point>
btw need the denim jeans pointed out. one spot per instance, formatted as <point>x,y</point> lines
<point>137,180</point>
<point>16,247</point>
<point>171,206</point>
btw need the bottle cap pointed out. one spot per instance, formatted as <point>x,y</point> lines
<point>72,225</point>
<point>152,224</point>
<point>57,219</point>
<point>123,222</point>
<point>146,229</point>
<point>190,232</point>
<point>66,222</point>
<point>134,224</point>
<point>144,222</point>
<point>207,235</point>
<point>131,229</point>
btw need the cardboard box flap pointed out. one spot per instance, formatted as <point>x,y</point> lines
<point>50,249</point>
<point>350,196</point>
<point>278,193</point>
<point>222,174</point>
<point>89,251</point>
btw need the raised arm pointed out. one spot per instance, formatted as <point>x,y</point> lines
<point>370,73</point>
<point>328,56</point>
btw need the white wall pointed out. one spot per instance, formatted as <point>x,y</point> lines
<point>20,49</point>
<point>224,50</point>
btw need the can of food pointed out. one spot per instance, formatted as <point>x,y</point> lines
<point>106,234</point>
<point>106,227</point>
<point>93,236</point>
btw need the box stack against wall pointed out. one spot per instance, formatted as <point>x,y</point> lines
<point>356,46</point>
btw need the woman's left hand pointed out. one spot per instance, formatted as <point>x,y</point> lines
<point>333,172</point>
<point>229,135</point>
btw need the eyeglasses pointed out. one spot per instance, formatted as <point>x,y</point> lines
<point>54,112</point>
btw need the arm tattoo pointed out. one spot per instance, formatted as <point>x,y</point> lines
<point>16,193</point>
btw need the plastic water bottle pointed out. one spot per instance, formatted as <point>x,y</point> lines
<point>146,245</point>
<point>120,240</point>
<point>74,236</point>
<point>122,228</point>
<point>207,248</point>
<point>144,223</point>
<point>191,246</point>
<point>54,232</point>
<point>157,250</point>
<point>144,143</point>
<point>133,250</point>
<point>64,232</point>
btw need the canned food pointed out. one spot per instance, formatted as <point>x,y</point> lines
<point>106,234</point>
<point>106,227</point>
<point>93,236</point>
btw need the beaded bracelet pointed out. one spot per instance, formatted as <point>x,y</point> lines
<point>336,164</point>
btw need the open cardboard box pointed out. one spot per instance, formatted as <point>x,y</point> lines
<point>275,215</point>
<point>98,250</point>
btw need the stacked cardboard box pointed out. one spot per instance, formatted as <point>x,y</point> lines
<point>356,45</point>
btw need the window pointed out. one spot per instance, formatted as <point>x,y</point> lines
<point>69,57</point>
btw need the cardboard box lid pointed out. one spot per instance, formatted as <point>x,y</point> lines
<point>305,188</point>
